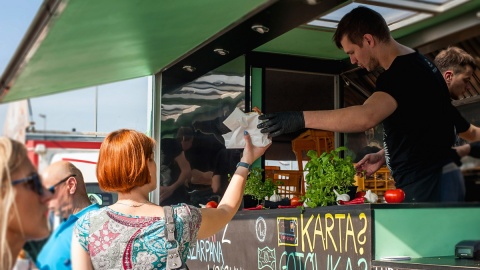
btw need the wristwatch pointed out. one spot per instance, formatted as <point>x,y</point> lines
<point>243,164</point>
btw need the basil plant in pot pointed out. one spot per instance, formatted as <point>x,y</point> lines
<point>326,173</point>
<point>257,188</point>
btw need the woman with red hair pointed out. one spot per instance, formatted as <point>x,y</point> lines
<point>131,234</point>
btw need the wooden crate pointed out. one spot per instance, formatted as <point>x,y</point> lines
<point>378,183</point>
<point>312,139</point>
<point>290,182</point>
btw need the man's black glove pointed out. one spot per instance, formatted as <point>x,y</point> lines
<point>281,122</point>
<point>475,149</point>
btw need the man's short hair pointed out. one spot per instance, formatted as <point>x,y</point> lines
<point>454,58</point>
<point>358,22</point>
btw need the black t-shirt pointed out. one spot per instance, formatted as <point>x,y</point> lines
<point>170,149</point>
<point>418,136</point>
<point>203,153</point>
<point>169,171</point>
<point>461,124</point>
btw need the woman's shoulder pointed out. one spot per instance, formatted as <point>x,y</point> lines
<point>184,210</point>
<point>94,212</point>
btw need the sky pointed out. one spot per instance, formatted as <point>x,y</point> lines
<point>75,109</point>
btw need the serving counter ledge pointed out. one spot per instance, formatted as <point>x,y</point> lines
<point>340,237</point>
<point>430,263</point>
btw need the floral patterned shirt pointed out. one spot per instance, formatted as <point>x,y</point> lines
<point>118,241</point>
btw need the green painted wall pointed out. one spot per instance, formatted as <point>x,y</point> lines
<point>423,232</point>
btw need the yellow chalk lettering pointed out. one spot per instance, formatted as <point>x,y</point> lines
<point>318,231</point>
<point>305,233</point>
<point>340,217</point>
<point>362,240</point>
<point>349,231</point>
<point>329,229</point>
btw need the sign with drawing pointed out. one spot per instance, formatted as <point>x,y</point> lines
<point>320,238</point>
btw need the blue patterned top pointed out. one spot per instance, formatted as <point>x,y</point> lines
<point>118,241</point>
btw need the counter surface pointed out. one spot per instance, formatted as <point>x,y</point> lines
<point>432,263</point>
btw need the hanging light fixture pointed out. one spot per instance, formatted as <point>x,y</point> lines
<point>221,52</point>
<point>189,68</point>
<point>260,29</point>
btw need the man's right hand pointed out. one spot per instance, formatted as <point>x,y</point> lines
<point>370,163</point>
<point>280,123</point>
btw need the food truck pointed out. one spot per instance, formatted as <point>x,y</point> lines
<point>209,57</point>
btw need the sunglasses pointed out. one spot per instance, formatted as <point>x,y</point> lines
<point>52,188</point>
<point>33,182</point>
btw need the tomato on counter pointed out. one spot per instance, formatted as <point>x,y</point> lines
<point>394,195</point>
<point>295,201</point>
<point>211,204</point>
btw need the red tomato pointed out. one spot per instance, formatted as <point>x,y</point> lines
<point>360,194</point>
<point>394,195</point>
<point>295,201</point>
<point>211,204</point>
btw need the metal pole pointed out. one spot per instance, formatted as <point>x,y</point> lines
<point>44,116</point>
<point>96,109</point>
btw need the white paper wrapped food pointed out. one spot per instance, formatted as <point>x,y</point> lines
<point>238,122</point>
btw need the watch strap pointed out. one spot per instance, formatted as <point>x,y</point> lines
<point>243,164</point>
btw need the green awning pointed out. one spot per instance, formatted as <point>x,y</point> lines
<point>73,44</point>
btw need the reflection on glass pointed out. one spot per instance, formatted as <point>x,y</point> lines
<point>194,163</point>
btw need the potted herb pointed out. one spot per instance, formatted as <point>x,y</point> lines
<point>326,173</point>
<point>256,187</point>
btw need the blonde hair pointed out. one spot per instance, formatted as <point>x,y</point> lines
<point>12,156</point>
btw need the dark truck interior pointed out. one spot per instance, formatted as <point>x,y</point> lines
<point>208,57</point>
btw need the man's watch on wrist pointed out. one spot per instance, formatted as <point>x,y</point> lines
<point>243,164</point>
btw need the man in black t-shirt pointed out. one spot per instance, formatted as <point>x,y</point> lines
<point>416,114</point>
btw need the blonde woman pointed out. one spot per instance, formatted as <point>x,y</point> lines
<point>23,202</point>
<point>131,234</point>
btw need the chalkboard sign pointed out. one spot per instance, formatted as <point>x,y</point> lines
<point>334,237</point>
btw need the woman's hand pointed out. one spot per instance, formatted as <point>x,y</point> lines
<point>252,152</point>
<point>214,219</point>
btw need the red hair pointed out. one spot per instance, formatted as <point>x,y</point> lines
<point>123,160</point>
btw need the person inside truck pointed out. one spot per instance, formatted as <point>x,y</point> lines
<point>135,226</point>
<point>417,138</point>
<point>211,163</point>
<point>175,172</point>
<point>70,202</point>
<point>24,202</point>
<point>457,67</point>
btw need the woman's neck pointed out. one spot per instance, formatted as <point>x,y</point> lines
<point>16,242</point>
<point>135,196</point>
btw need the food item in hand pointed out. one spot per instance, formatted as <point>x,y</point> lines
<point>295,201</point>
<point>257,110</point>
<point>211,204</point>
<point>394,195</point>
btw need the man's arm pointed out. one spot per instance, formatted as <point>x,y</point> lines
<point>351,119</point>
<point>471,135</point>
<point>469,149</point>
<point>185,174</point>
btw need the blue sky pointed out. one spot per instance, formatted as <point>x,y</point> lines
<point>73,109</point>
